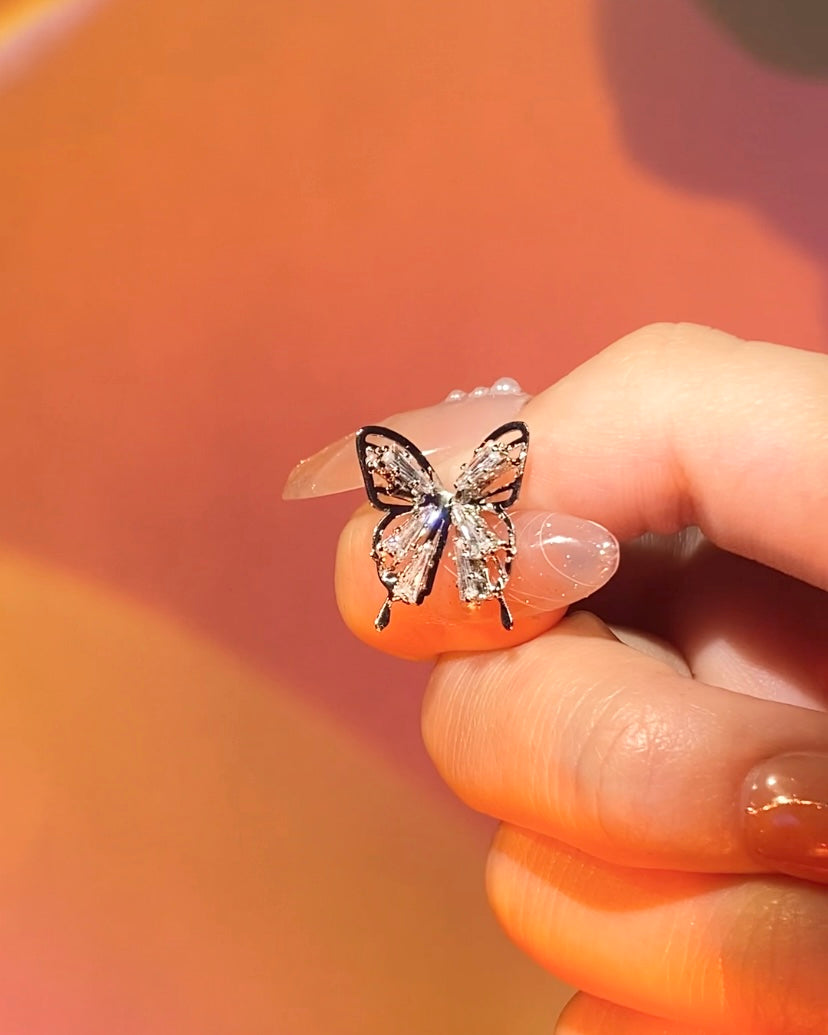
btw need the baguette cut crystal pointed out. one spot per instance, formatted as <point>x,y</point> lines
<point>412,582</point>
<point>473,582</point>
<point>401,474</point>
<point>404,537</point>
<point>489,462</point>
<point>470,525</point>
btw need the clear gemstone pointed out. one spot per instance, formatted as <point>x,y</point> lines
<point>473,581</point>
<point>401,471</point>
<point>455,395</point>
<point>412,581</point>
<point>488,464</point>
<point>405,536</point>
<point>478,538</point>
<point>479,392</point>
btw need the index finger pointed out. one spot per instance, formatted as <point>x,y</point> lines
<point>674,425</point>
<point>679,425</point>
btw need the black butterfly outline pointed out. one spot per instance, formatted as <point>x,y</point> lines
<point>424,493</point>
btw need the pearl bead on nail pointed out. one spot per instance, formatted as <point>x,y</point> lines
<point>507,386</point>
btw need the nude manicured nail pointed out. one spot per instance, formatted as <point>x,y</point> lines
<point>461,421</point>
<point>786,814</point>
<point>560,559</point>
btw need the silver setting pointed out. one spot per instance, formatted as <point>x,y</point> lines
<point>421,516</point>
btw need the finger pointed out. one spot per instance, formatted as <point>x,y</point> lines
<point>683,425</point>
<point>671,426</point>
<point>586,1015</point>
<point>738,624</point>
<point>580,737</point>
<point>560,559</point>
<point>735,954</point>
<point>436,429</point>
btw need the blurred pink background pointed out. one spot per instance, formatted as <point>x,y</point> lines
<point>228,234</point>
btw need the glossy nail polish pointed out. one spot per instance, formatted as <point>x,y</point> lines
<point>785,814</point>
<point>560,559</point>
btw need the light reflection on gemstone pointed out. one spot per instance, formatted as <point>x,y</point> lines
<point>402,539</point>
<point>471,527</point>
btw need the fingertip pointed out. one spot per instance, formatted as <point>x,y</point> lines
<point>441,624</point>
<point>660,431</point>
<point>586,624</point>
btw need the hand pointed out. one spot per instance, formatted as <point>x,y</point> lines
<point>631,763</point>
<point>631,754</point>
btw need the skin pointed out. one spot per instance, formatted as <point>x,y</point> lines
<point>614,745</point>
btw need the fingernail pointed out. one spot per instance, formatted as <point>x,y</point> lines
<point>463,419</point>
<point>786,814</point>
<point>560,559</point>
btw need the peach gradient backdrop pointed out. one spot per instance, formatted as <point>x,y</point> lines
<point>230,232</point>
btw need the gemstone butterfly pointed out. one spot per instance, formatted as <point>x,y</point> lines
<point>421,516</point>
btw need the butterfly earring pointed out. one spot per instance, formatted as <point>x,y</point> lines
<point>421,516</point>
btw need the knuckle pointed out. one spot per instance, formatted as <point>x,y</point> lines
<point>630,746</point>
<point>657,344</point>
<point>648,341</point>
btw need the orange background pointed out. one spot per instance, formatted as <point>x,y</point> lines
<point>230,232</point>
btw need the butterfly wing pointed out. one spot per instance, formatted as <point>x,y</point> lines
<point>396,474</point>
<point>495,472</point>
<point>484,537</point>
<point>483,549</point>
<point>409,540</point>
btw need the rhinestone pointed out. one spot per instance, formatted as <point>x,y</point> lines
<point>455,395</point>
<point>405,536</point>
<point>478,538</point>
<point>473,582</point>
<point>411,583</point>
<point>486,466</point>
<point>402,473</point>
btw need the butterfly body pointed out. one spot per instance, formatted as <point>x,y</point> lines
<point>421,516</point>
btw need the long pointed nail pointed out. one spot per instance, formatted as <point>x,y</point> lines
<point>462,420</point>
<point>560,559</point>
